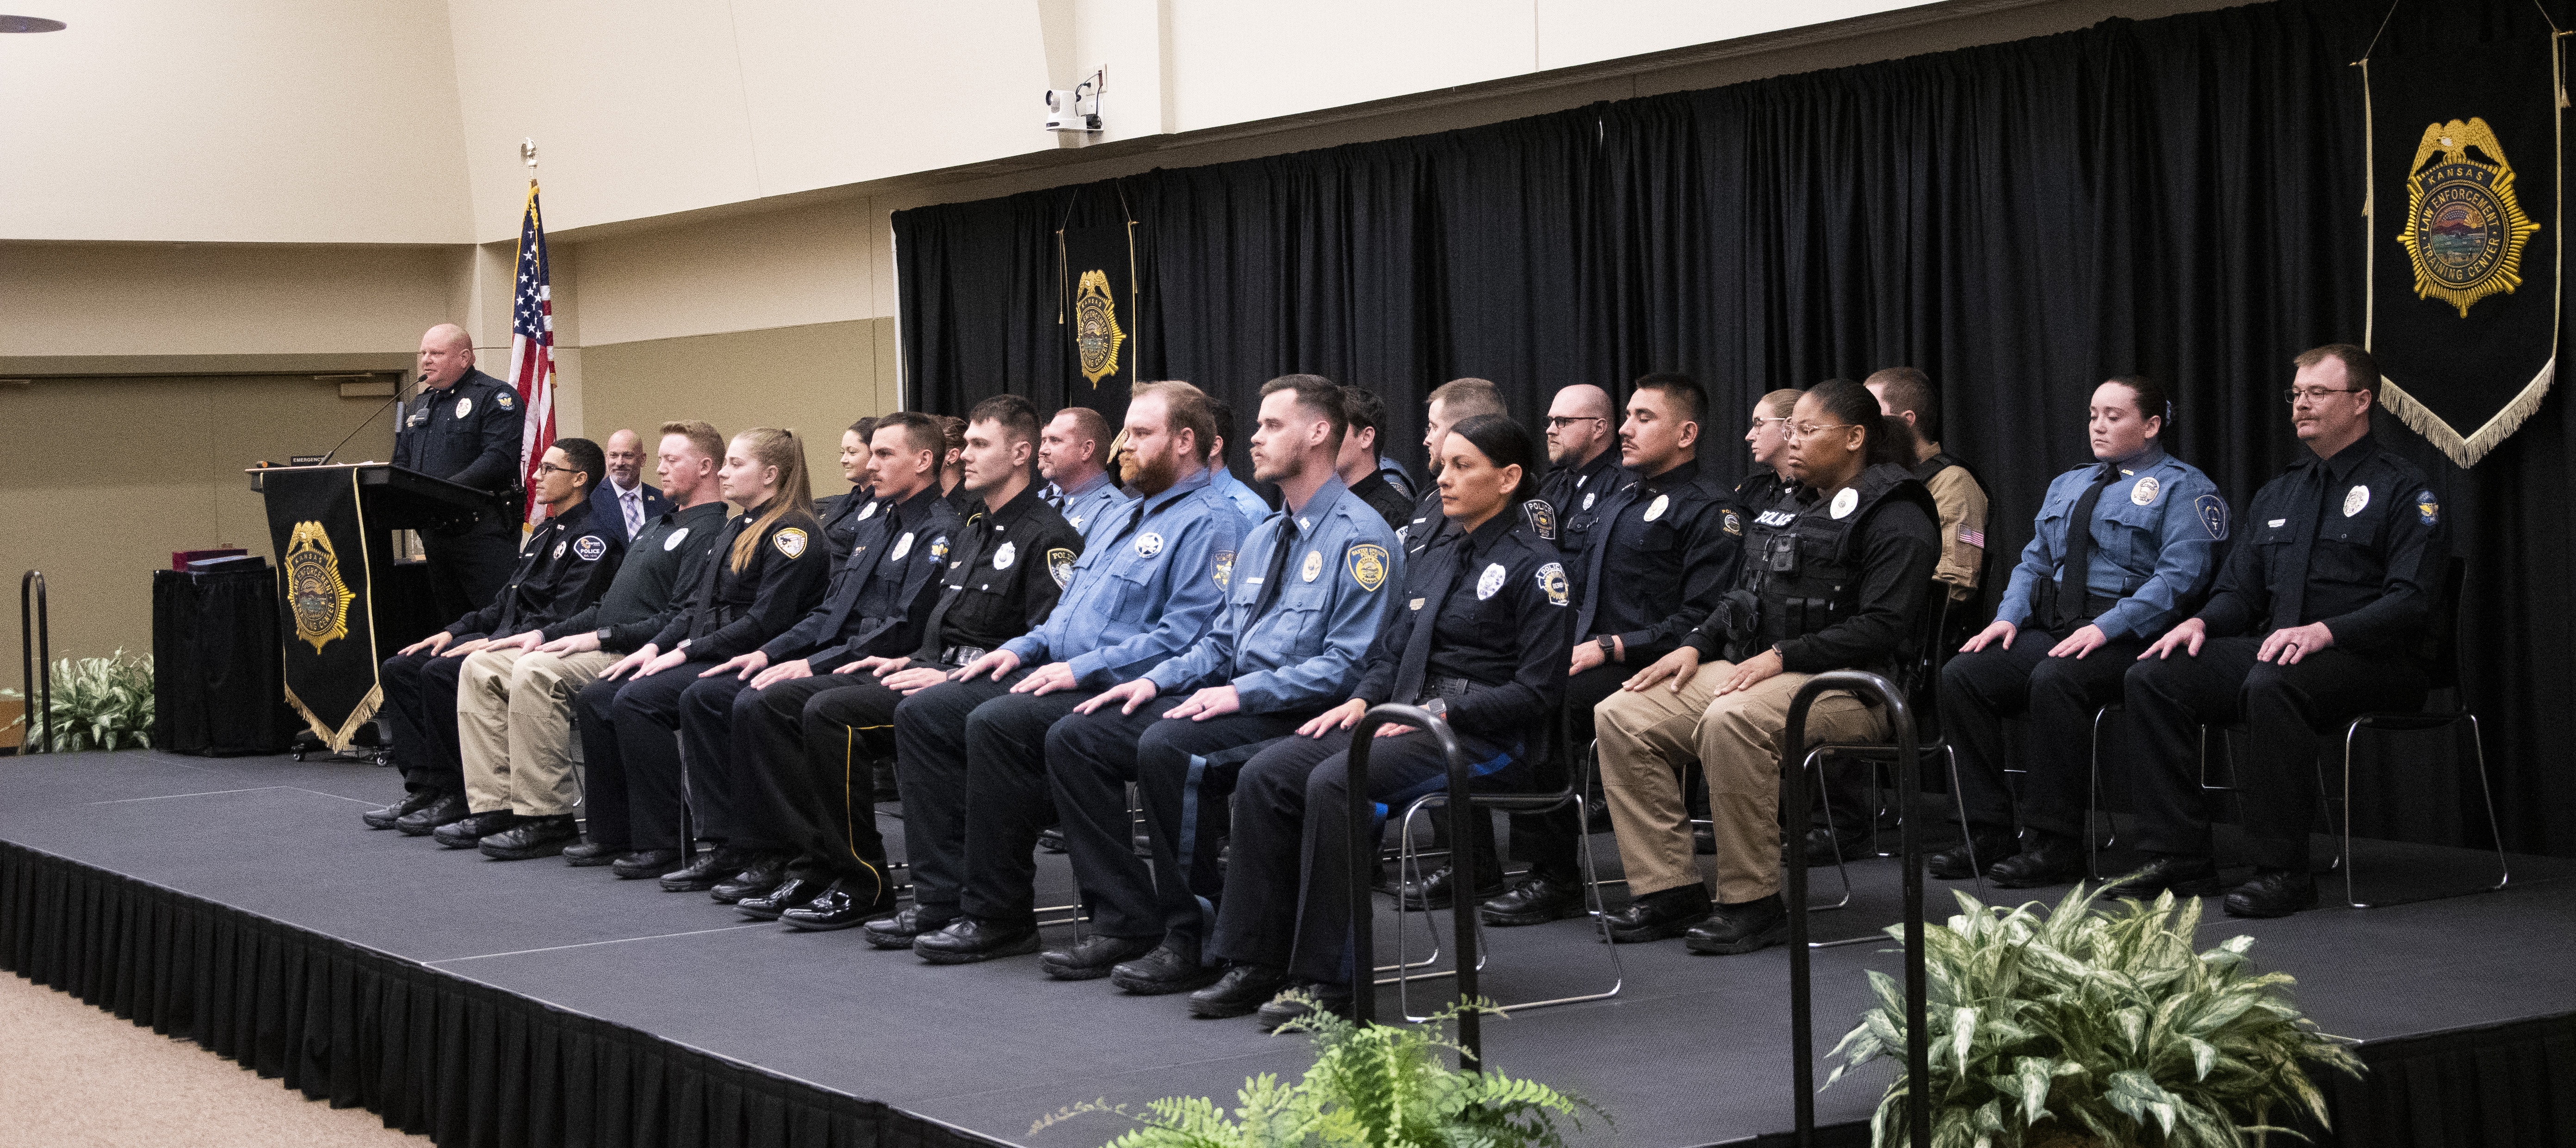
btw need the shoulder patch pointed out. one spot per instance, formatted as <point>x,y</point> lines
<point>2428,508</point>
<point>2213,515</point>
<point>590,547</point>
<point>1368,565</point>
<point>505,398</point>
<point>1059,562</point>
<point>790,542</point>
<point>1542,518</point>
<point>1551,578</point>
<point>1222,565</point>
<point>1731,522</point>
<point>939,547</point>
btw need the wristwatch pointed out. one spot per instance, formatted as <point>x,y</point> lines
<point>1609,648</point>
<point>604,632</point>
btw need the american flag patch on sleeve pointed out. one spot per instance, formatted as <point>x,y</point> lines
<point>1976,538</point>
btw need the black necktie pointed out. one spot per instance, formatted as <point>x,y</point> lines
<point>1417,645</point>
<point>974,554</point>
<point>2074,589</point>
<point>1278,570</point>
<point>2291,597</point>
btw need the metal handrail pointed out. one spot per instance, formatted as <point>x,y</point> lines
<point>1363,861</point>
<point>1794,801</point>
<point>35,660</point>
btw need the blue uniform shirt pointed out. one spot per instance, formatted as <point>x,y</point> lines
<point>1092,507</point>
<point>2155,535</point>
<point>1302,649</point>
<point>1144,590</point>
<point>1246,500</point>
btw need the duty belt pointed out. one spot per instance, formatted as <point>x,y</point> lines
<point>1443,690</point>
<point>961,656</point>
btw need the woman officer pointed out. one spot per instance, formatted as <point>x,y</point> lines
<point>841,514</point>
<point>2081,606</point>
<point>1480,638</point>
<point>767,569</point>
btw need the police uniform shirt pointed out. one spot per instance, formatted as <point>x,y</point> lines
<point>1245,500</point>
<point>1004,575</point>
<point>841,515</point>
<point>467,434</point>
<point>1755,492</point>
<point>1576,492</point>
<point>2356,542</point>
<point>1428,524</point>
<point>2156,529</point>
<point>1308,596</point>
<point>1666,550</point>
<point>876,604</point>
<point>1394,474</point>
<point>662,563</point>
<point>1898,544</point>
<point>1144,591</point>
<point>1091,507</point>
<point>731,612</point>
<point>1391,504</point>
<point>1499,604</point>
<point>563,568</point>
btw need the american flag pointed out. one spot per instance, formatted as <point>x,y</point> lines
<point>532,352</point>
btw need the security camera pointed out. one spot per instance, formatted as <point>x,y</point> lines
<point>1075,109</point>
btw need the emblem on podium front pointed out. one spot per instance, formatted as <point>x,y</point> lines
<point>1096,334</point>
<point>2465,230</point>
<point>320,599</point>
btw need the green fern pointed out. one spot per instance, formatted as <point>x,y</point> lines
<point>1380,1086</point>
<point>98,703</point>
<point>2096,1023</point>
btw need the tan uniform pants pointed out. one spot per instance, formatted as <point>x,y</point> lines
<point>514,725</point>
<point>1649,737</point>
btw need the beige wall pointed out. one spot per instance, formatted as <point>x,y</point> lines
<point>116,299</point>
<point>99,512</point>
<point>814,379</point>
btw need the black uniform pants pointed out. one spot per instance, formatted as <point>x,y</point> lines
<point>706,736</point>
<point>776,805</point>
<point>647,717</point>
<point>1091,758</point>
<point>603,765</point>
<point>2060,696</point>
<point>971,766</point>
<point>2287,709</point>
<point>420,706</point>
<point>839,730</point>
<point>1288,885</point>
<point>467,571</point>
<point>1548,840</point>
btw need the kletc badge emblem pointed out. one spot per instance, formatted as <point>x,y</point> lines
<point>2464,229</point>
<point>313,587</point>
<point>1095,327</point>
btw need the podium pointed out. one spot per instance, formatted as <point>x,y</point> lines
<point>344,604</point>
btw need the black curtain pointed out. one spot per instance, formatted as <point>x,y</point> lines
<point>2178,196</point>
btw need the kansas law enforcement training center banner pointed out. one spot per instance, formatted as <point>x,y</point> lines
<point>329,626</point>
<point>2465,234</point>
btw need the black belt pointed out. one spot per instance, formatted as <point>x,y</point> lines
<point>1445,690</point>
<point>959,657</point>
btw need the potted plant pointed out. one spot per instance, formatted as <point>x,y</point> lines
<point>98,703</point>
<point>2093,1027</point>
<point>1380,1085</point>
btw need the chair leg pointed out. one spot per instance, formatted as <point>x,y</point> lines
<point>2094,846</point>
<point>1967,836</point>
<point>2486,794</point>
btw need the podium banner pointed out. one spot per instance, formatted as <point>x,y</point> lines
<point>2465,235</point>
<point>325,576</point>
<point>1100,317</point>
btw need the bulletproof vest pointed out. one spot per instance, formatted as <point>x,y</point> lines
<point>1802,564</point>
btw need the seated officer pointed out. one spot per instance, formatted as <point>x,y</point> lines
<point>1286,644</point>
<point>1073,453</point>
<point>1451,403</point>
<point>1359,467</point>
<point>1906,394</point>
<point>1582,467</point>
<point>875,607</point>
<point>766,572</point>
<point>1666,546</point>
<point>564,567</point>
<point>1476,640</point>
<point>970,753</point>
<point>2319,615</point>
<point>1246,501</point>
<point>1834,578</point>
<point>1004,573</point>
<point>514,702</point>
<point>2121,548</point>
<point>840,513</point>
<point>1769,442</point>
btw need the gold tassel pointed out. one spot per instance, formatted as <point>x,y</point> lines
<point>2466,452</point>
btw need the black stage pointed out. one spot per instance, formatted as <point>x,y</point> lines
<point>1692,1052</point>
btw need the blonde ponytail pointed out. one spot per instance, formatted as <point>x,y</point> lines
<point>769,446</point>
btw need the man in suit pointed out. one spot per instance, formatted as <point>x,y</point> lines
<point>625,498</point>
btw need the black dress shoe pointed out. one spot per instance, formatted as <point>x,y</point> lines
<point>532,837</point>
<point>760,873</point>
<point>644,863</point>
<point>711,866</point>
<point>2046,859</point>
<point>466,832</point>
<point>2273,893</point>
<point>1092,957</point>
<point>444,808</point>
<point>2185,876</point>
<point>584,854</point>
<point>411,803</point>
<point>840,907</point>
<point>1051,840</point>
<point>1660,914</point>
<point>1242,989</point>
<point>1165,970</point>
<point>1432,893</point>
<point>1823,848</point>
<point>1535,901</point>
<point>902,929</point>
<point>1285,1008</point>
<point>1975,855</point>
<point>967,940</point>
<point>795,892</point>
<point>1740,928</point>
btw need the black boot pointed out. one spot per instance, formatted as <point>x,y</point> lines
<point>644,863</point>
<point>440,810</point>
<point>900,930</point>
<point>1241,989</point>
<point>1303,1001</point>
<point>712,866</point>
<point>967,940</point>
<point>1537,900</point>
<point>1432,892</point>
<point>411,803</point>
<point>2274,893</point>
<point>2045,859</point>
<point>532,837</point>
<point>1975,855</point>
<point>2186,876</point>
<point>1170,968</point>
<point>587,853</point>
<point>1741,928</point>
<point>760,873</point>
<point>1660,914</point>
<point>465,832</point>
<point>1093,957</point>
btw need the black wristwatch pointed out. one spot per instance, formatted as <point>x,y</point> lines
<point>604,632</point>
<point>1609,648</point>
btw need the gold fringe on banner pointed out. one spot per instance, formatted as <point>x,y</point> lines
<point>340,739</point>
<point>2465,452</point>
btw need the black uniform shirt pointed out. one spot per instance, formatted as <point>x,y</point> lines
<point>1669,550</point>
<point>1427,525</point>
<point>1382,496</point>
<point>1577,492</point>
<point>1899,547</point>
<point>1003,578</point>
<point>876,602</point>
<point>1506,625</point>
<point>467,434</point>
<point>840,516</point>
<point>563,567</point>
<point>2355,541</point>
<point>661,565</point>
<point>733,611</point>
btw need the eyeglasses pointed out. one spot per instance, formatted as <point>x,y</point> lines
<point>1802,430</point>
<point>1759,422</point>
<point>550,468</point>
<point>1560,422</point>
<point>2315,394</point>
